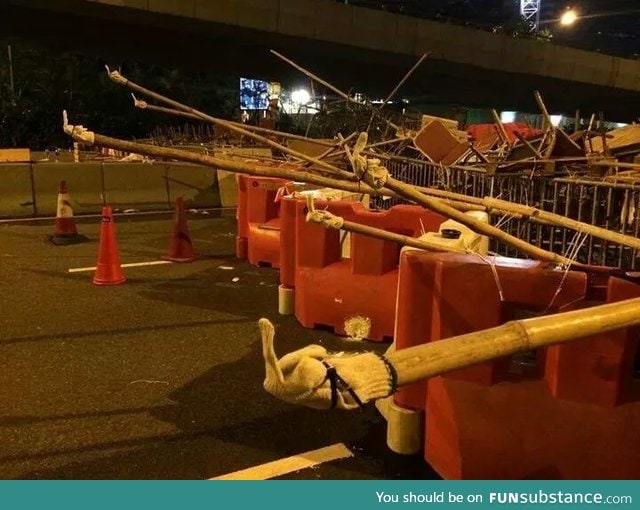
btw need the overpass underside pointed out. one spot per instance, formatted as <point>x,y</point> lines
<point>118,33</point>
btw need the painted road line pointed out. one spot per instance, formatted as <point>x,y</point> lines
<point>133,264</point>
<point>290,464</point>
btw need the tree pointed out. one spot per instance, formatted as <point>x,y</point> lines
<point>47,83</point>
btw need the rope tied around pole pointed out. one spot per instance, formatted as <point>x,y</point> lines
<point>321,217</point>
<point>139,103</point>
<point>366,169</point>
<point>78,133</point>
<point>116,77</point>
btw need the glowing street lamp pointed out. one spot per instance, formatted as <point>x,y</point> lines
<point>300,96</point>
<point>568,18</point>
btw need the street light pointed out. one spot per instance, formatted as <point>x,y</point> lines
<point>300,97</point>
<point>568,18</point>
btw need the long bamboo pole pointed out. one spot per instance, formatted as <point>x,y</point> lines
<point>378,233</point>
<point>479,227</point>
<point>325,83</point>
<point>375,112</point>
<point>498,122</point>
<point>330,220</point>
<point>143,105</point>
<point>118,78</point>
<point>402,82</point>
<point>435,358</point>
<point>497,206</point>
<point>231,165</point>
<point>563,221</point>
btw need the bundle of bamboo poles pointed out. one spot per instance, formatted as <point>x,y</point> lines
<point>326,175</point>
<point>341,172</point>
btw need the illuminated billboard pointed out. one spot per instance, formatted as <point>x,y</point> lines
<point>254,94</point>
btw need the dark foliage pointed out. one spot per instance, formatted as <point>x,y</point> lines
<point>45,83</point>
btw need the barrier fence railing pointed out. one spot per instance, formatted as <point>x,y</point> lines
<point>611,205</point>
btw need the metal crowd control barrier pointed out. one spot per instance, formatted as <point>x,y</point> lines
<point>614,206</point>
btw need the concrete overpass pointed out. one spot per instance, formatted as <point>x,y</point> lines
<point>350,46</point>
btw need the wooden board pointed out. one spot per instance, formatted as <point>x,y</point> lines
<point>619,139</point>
<point>439,144</point>
<point>448,123</point>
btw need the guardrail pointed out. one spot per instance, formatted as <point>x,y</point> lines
<point>30,189</point>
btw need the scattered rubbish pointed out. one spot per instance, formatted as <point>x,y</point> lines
<point>235,280</point>
<point>357,327</point>
<point>338,300</point>
<point>131,211</point>
<point>226,268</point>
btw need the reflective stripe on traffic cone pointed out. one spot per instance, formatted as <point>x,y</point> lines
<point>65,224</point>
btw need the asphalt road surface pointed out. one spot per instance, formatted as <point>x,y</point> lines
<point>161,377</point>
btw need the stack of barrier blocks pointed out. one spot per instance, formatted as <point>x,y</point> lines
<point>330,289</point>
<point>567,411</point>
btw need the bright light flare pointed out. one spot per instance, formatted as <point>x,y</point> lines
<point>568,18</point>
<point>555,120</point>
<point>300,96</point>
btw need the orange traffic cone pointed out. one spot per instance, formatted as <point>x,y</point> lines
<point>180,247</point>
<point>65,231</point>
<point>109,271</point>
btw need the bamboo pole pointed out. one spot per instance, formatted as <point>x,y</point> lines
<point>402,81</point>
<point>331,152</point>
<point>435,358</point>
<point>412,194</point>
<point>501,130</point>
<point>528,144</point>
<point>388,142</point>
<point>329,220</point>
<point>143,105</point>
<point>605,184</point>
<point>118,78</point>
<point>396,187</point>
<point>377,111</point>
<point>91,138</point>
<point>563,221</point>
<point>312,76</point>
<point>543,109</point>
<point>386,157</point>
<point>619,164</point>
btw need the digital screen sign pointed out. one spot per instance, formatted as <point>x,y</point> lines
<point>254,94</point>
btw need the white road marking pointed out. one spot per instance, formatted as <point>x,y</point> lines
<point>290,464</point>
<point>133,264</point>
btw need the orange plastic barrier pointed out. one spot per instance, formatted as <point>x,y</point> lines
<point>444,295</point>
<point>258,217</point>
<point>478,131</point>
<point>330,289</point>
<point>569,411</point>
